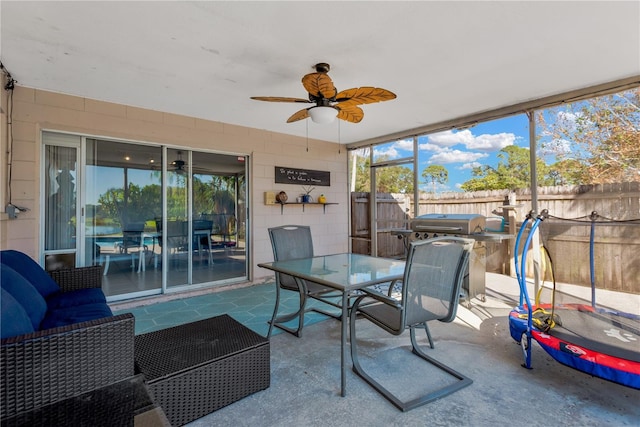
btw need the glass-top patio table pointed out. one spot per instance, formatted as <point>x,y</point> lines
<point>346,273</point>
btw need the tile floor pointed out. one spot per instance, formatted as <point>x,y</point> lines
<point>252,306</point>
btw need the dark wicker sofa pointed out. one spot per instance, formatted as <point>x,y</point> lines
<point>50,365</point>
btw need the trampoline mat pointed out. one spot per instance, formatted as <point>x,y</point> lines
<point>604,333</point>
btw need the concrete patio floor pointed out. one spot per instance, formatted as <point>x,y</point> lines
<point>305,378</point>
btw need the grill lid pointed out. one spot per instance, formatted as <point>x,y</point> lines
<point>449,223</point>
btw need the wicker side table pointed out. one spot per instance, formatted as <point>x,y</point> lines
<point>199,367</point>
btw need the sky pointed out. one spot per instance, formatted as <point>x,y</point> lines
<point>461,150</point>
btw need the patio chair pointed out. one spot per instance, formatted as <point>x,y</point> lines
<point>202,238</point>
<point>132,244</point>
<point>132,238</point>
<point>176,235</point>
<point>177,240</point>
<point>291,242</point>
<point>431,284</point>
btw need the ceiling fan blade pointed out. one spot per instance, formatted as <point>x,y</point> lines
<point>350,113</point>
<point>302,114</point>
<point>280,99</point>
<point>319,85</point>
<point>364,95</point>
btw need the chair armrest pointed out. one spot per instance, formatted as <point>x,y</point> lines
<point>381,297</point>
<point>72,279</point>
<point>47,366</point>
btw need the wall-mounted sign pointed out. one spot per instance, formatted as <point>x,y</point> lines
<point>302,176</point>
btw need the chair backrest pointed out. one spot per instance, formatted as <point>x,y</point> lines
<point>202,225</point>
<point>177,235</point>
<point>177,228</point>
<point>433,276</point>
<point>132,236</point>
<point>290,242</point>
<point>202,229</point>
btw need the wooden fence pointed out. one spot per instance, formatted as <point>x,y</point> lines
<point>392,214</point>
<point>566,234</point>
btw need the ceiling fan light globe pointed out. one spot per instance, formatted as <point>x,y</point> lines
<point>323,115</point>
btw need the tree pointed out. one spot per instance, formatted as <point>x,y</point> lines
<point>512,172</point>
<point>600,136</point>
<point>214,193</point>
<point>392,179</point>
<point>568,171</point>
<point>436,174</point>
<point>138,206</point>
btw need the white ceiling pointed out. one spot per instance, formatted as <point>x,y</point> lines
<point>205,59</point>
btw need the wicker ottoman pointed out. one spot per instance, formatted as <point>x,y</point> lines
<point>197,368</point>
<point>125,403</point>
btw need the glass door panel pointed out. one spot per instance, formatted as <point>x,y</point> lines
<point>176,243</point>
<point>60,218</point>
<point>218,217</point>
<point>123,199</point>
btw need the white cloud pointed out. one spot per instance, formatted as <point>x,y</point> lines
<point>456,156</point>
<point>431,147</point>
<point>567,119</point>
<point>492,142</point>
<point>556,147</point>
<point>484,142</point>
<point>405,144</point>
<point>448,138</point>
<point>470,165</point>
<point>391,152</point>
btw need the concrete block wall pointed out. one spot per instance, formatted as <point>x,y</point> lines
<point>37,110</point>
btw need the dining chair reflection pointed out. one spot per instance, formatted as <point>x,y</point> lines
<point>202,238</point>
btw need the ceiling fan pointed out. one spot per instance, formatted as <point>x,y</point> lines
<point>179,164</point>
<point>329,103</point>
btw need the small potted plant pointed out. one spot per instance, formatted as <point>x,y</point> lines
<point>306,196</point>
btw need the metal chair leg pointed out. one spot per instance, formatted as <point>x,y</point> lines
<point>404,406</point>
<point>278,320</point>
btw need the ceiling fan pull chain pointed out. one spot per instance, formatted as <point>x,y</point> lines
<point>339,143</point>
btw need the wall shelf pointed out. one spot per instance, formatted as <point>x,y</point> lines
<point>324,205</point>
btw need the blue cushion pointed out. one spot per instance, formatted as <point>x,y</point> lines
<point>26,294</point>
<point>30,270</point>
<point>77,297</point>
<point>13,318</point>
<point>76,314</point>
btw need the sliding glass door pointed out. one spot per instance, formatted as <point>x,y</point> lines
<point>156,218</point>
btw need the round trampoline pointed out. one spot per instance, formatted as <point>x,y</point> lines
<point>598,341</point>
